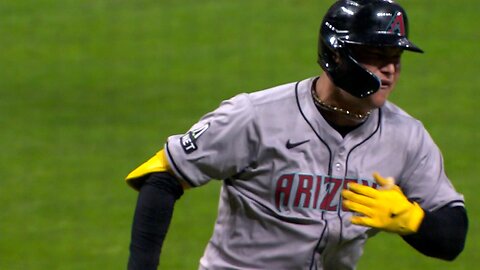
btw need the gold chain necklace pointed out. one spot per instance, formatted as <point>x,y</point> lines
<point>320,103</point>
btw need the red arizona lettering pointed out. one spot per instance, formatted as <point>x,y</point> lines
<point>305,183</point>
<point>317,191</point>
<point>335,185</point>
<point>347,181</point>
<point>366,183</point>
<point>284,186</point>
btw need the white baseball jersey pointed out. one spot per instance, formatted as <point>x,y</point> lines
<point>283,167</point>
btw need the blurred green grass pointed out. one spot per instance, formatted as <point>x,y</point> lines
<point>90,89</point>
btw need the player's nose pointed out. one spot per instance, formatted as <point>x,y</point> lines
<point>389,68</point>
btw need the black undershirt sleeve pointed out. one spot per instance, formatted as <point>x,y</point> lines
<point>442,233</point>
<point>152,217</point>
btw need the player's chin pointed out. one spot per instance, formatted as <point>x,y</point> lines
<point>378,99</point>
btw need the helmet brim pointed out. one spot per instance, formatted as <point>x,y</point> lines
<point>384,40</point>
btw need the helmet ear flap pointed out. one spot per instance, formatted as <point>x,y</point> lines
<point>326,57</point>
<point>345,71</point>
<point>352,77</point>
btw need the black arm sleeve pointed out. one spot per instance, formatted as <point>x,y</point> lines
<point>152,217</point>
<point>442,233</point>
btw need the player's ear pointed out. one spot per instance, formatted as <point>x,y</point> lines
<point>398,66</point>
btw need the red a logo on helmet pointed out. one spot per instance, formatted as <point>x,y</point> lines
<point>396,25</point>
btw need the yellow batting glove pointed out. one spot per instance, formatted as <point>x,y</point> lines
<point>158,163</point>
<point>386,208</point>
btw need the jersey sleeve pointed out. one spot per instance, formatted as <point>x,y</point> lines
<point>424,179</point>
<point>220,145</point>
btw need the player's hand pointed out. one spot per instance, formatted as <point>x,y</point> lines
<point>386,208</point>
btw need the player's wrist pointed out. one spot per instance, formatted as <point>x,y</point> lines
<point>414,220</point>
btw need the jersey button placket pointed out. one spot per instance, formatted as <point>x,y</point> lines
<point>338,166</point>
<point>339,159</point>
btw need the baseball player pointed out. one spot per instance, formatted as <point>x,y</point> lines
<point>311,169</point>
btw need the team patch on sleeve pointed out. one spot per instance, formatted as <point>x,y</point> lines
<point>189,140</point>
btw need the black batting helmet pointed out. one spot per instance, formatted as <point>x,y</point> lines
<point>378,23</point>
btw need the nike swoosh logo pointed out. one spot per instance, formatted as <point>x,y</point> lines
<point>291,145</point>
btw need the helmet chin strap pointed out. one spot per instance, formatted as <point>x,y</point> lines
<point>353,78</point>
